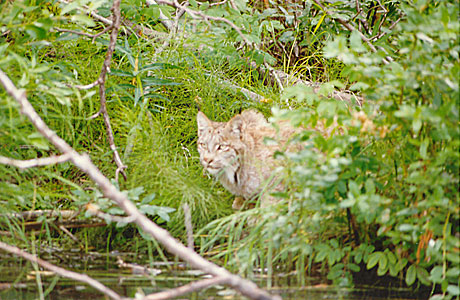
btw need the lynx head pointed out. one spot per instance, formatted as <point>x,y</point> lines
<point>218,145</point>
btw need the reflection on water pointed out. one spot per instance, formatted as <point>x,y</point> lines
<point>18,280</point>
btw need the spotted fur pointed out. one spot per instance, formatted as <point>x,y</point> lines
<point>235,153</point>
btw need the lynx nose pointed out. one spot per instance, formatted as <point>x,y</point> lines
<point>207,160</point>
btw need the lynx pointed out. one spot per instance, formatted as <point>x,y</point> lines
<point>235,153</point>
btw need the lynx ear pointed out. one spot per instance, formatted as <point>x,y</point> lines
<point>235,126</point>
<point>203,122</point>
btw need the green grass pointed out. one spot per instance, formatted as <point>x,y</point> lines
<point>156,139</point>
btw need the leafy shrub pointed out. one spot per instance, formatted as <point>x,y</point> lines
<point>383,192</point>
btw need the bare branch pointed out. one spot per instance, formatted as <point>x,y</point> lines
<point>88,86</point>
<point>162,17</point>
<point>74,32</point>
<point>352,28</point>
<point>102,78</point>
<point>185,289</point>
<point>36,162</point>
<point>84,163</point>
<point>219,3</point>
<point>94,210</point>
<point>114,25</point>
<point>62,272</point>
<point>74,238</point>
<point>233,5</point>
<point>380,35</point>
<point>275,76</point>
<point>200,15</point>
<point>26,215</point>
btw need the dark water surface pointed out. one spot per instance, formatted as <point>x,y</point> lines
<point>19,280</point>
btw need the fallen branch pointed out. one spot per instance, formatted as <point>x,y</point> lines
<point>84,163</point>
<point>62,272</point>
<point>33,214</point>
<point>36,162</point>
<point>94,210</point>
<point>185,289</point>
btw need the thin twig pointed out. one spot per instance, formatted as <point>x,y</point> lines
<point>36,162</point>
<point>218,3</point>
<point>114,25</point>
<point>62,272</point>
<point>74,32</point>
<point>93,36</point>
<point>383,7</point>
<point>84,163</point>
<point>103,76</point>
<point>94,210</point>
<point>233,5</point>
<point>185,289</point>
<point>275,76</point>
<point>74,238</point>
<point>200,15</point>
<point>88,86</point>
<point>380,35</point>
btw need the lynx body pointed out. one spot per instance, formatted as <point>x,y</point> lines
<point>235,153</point>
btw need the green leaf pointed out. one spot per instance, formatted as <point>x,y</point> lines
<point>436,274</point>
<point>354,188</point>
<point>36,32</point>
<point>411,275</point>
<point>422,275</point>
<point>416,125</point>
<point>353,267</point>
<point>148,199</point>
<point>359,86</point>
<point>68,7</point>
<point>393,270</point>
<point>38,141</point>
<point>453,290</point>
<point>453,272</point>
<point>373,259</point>
<point>423,148</point>
<point>356,42</point>
<point>83,20</point>
<point>370,187</point>
<point>148,81</point>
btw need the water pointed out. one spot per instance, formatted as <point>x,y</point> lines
<point>18,280</point>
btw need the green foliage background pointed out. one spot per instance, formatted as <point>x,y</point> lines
<point>380,194</point>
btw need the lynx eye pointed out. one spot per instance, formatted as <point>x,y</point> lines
<point>222,147</point>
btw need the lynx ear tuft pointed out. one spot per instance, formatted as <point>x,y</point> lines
<point>203,122</point>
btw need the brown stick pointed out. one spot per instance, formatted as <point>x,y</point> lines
<point>103,75</point>
<point>60,271</point>
<point>114,25</point>
<point>84,163</point>
<point>33,214</point>
<point>35,162</point>
<point>185,289</point>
